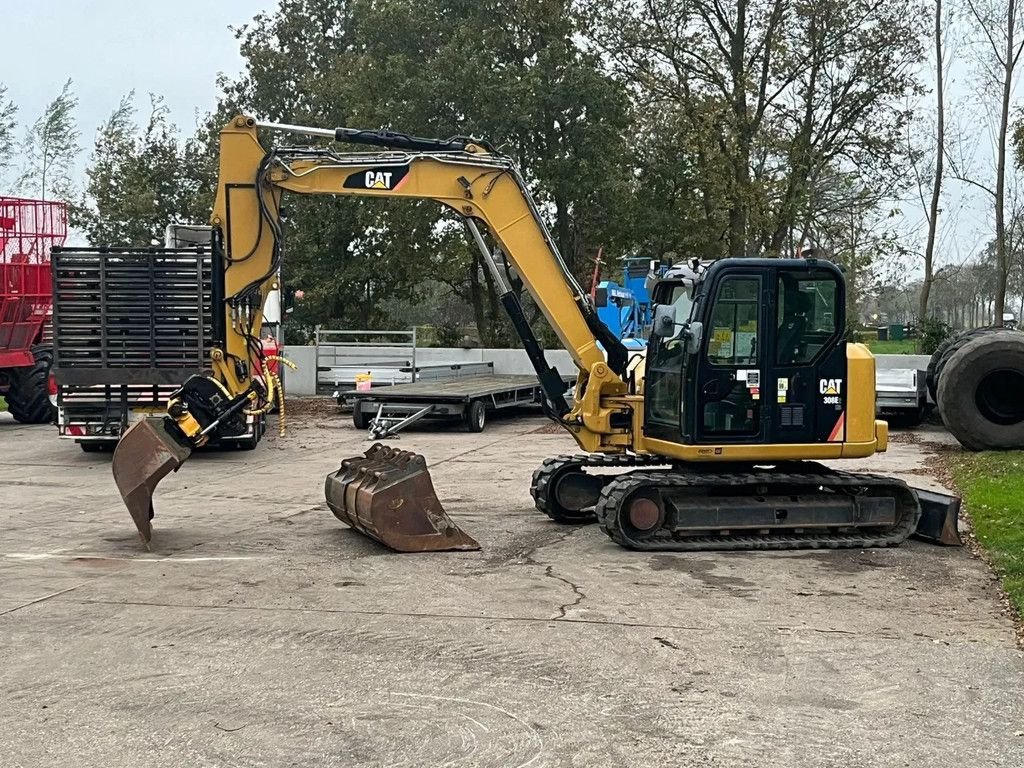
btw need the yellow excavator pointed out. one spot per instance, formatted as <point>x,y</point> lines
<point>710,441</point>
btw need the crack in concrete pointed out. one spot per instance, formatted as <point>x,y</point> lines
<point>565,607</point>
<point>527,554</point>
<point>405,614</point>
<point>787,630</point>
<point>42,599</point>
<point>519,554</point>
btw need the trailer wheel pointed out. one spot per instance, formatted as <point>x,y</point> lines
<point>908,419</point>
<point>980,392</point>
<point>360,419</point>
<point>28,398</point>
<point>476,416</point>
<point>92,447</point>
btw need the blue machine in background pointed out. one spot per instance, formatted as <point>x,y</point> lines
<point>626,307</point>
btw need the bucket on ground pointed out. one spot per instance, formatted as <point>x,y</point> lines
<point>388,495</point>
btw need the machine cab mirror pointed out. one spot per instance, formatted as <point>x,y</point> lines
<point>664,324</point>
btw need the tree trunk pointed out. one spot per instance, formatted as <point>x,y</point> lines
<point>1002,257</point>
<point>476,299</point>
<point>940,146</point>
<point>799,155</point>
<point>563,228</point>
<point>741,158</point>
<point>495,330</point>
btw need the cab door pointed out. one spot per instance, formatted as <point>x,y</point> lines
<point>666,369</point>
<point>730,367</point>
<point>805,386</point>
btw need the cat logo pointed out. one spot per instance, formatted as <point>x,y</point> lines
<point>830,389</point>
<point>378,179</point>
<point>388,177</point>
<point>830,386</point>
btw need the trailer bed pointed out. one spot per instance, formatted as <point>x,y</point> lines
<point>445,398</point>
<point>456,390</point>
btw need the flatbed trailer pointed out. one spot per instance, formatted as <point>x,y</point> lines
<point>385,410</point>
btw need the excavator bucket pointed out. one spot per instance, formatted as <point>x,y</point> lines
<point>145,454</point>
<point>387,494</point>
<point>939,514</point>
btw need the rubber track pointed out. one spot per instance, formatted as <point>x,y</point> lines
<point>616,493</point>
<point>540,486</point>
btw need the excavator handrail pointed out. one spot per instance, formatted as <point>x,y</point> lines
<point>383,137</point>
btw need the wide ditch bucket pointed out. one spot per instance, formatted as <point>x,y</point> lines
<point>146,453</point>
<point>387,494</point>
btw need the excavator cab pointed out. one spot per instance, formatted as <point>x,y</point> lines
<point>756,356</point>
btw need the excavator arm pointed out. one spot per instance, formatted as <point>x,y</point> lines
<point>466,176</point>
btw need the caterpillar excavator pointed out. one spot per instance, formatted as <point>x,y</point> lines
<point>711,442</point>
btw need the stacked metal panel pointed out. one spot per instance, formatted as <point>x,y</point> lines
<point>132,315</point>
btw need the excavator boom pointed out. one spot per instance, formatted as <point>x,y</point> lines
<point>384,494</point>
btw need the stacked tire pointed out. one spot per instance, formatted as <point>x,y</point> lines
<point>28,398</point>
<point>977,382</point>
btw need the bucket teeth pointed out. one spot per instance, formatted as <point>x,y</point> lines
<point>388,495</point>
<point>146,453</point>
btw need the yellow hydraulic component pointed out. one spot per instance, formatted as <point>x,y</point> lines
<point>275,392</point>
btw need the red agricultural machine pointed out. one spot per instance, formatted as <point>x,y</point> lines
<point>29,229</point>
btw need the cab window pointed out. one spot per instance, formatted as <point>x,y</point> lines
<point>807,317</point>
<point>665,361</point>
<point>732,339</point>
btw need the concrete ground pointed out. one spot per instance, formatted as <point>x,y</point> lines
<point>262,632</point>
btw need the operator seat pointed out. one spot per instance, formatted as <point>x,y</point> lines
<point>794,327</point>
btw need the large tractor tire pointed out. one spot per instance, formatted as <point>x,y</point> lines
<point>946,350</point>
<point>28,398</point>
<point>981,392</point>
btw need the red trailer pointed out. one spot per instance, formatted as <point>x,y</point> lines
<point>28,230</point>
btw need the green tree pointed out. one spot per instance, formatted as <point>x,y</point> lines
<point>678,197</point>
<point>50,148</point>
<point>8,124</point>
<point>139,179</point>
<point>999,33</point>
<point>514,73</point>
<point>796,91</point>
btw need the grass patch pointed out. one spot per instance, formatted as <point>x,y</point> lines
<point>3,405</point>
<point>893,347</point>
<point>992,485</point>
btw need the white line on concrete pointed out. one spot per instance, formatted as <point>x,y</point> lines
<point>140,559</point>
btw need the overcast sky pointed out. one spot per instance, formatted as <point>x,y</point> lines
<point>176,48</point>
